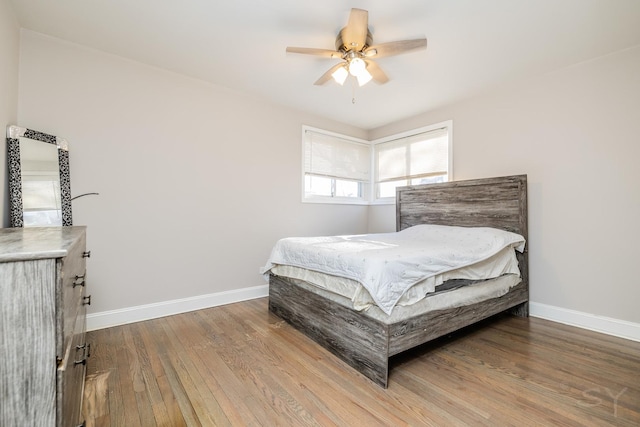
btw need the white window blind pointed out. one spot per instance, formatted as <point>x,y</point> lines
<point>416,156</point>
<point>334,157</point>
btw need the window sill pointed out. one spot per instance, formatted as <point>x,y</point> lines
<point>334,201</point>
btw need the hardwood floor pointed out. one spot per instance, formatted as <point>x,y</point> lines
<point>240,365</point>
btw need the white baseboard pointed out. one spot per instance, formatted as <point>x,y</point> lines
<point>592,322</point>
<point>107,319</point>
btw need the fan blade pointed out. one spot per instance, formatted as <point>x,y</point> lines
<point>328,75</point>
<point>376,72</point>
<point>395,48</point>
<point>317,52</point>
<point>354,35</point>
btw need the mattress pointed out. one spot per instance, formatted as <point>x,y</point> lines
<point>399,268</point>
<point>504,262</point>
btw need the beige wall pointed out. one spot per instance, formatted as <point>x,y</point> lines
<point>575,133</point>
<point>9,55</point>
<point>196,182</point>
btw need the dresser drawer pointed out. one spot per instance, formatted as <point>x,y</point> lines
<point>72,281</point>
<point>70,376</point>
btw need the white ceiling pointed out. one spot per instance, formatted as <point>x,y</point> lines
<point>473,45</point>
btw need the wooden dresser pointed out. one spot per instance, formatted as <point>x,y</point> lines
<point>42,326</point>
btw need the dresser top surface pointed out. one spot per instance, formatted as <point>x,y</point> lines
<point>22,244</point>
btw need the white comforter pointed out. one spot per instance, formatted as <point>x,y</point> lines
<point>388,264</point>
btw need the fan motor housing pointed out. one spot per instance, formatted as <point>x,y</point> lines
<point>341,46</point>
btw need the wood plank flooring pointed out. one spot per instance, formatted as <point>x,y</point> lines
<point>239,365</point>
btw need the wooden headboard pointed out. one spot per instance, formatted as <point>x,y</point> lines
<point>489,202</point>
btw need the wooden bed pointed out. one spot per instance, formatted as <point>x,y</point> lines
<point>367,344</point>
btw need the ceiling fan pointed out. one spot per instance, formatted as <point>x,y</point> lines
<point>354,45</point>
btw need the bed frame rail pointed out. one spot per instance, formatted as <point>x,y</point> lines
<point>358,340</point>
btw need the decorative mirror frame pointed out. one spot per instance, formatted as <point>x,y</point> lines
<point>15,172</point>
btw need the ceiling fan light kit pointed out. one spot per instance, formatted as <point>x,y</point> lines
<point>357,67</point>
<point>354,46</point>
<point>340,75</point>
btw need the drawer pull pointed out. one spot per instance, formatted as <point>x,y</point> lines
<point>86,254</point>
<point>79,280</point>
<point>86,300</point>
<point>86,354</point>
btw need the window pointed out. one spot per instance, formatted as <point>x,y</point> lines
<point>336,167</point>
<point>421,156</point>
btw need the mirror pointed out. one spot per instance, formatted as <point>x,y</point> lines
<point>39,182</point>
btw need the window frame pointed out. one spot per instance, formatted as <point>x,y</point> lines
<point>365,191</point>
<point>448,125</point>
<point>368,194</point>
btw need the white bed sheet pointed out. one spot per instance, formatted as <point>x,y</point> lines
<point>504,262</point>
<point>389,264</point>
